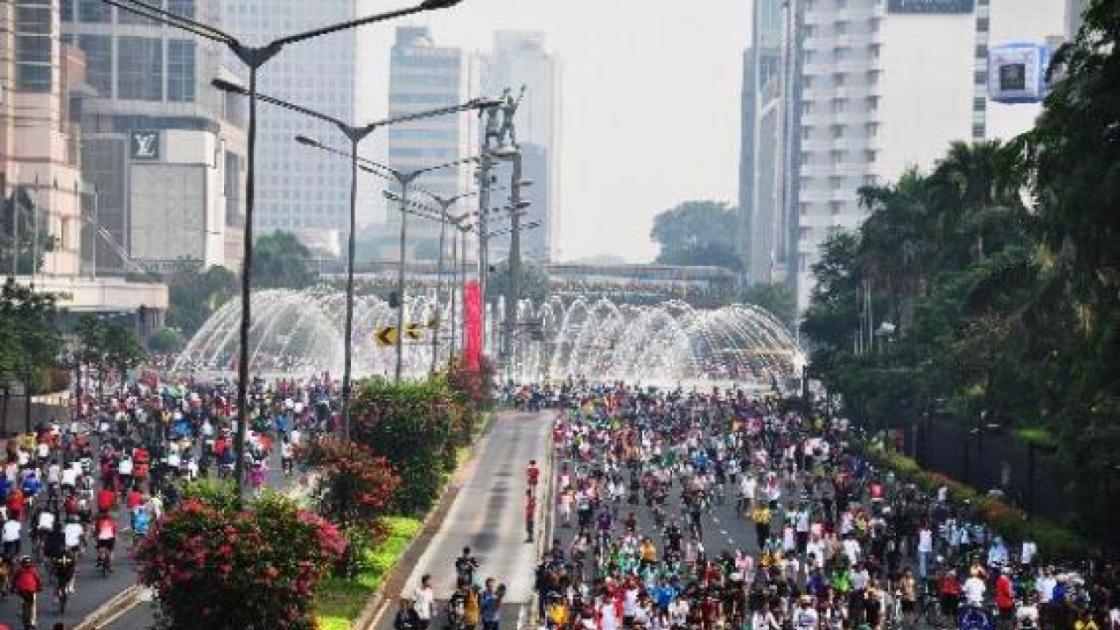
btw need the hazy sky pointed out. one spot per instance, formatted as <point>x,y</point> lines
<point>650,114</point>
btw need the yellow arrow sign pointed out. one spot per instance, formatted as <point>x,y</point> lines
<point>414,332</point>
<point>387,336</point>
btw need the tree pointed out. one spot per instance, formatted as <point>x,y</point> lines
<point>193,297</point>
<point>534,283</point>
<point>108,343</point>
<point>776,298</point>
<point>698,233</point>
<point>217,566</point>
<point>19,219</point>
<point>29,340</point>
<point>280,262</point>
<point>166,341</point>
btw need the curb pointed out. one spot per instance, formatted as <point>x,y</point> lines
<point>399,574</point>
<point>546,528</point>
<point>112,609</point>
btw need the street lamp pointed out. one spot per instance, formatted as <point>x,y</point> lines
<point>255,57</point>
<point>355,135</point>
<point>404,180</point>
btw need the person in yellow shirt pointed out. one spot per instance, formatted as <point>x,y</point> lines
<point>558,612</point>
<point>647,553</point>
<point>1085,622</point>
<point>761,516</point>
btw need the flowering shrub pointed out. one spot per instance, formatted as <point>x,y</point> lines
<point>354,484</point>
<point>227,569</point>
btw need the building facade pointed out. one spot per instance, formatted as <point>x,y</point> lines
<point>299,188</point>
<point>887,85</point>
<point>424,76</point>
<point>763,220</point>
<point>163,152</point>
<point>519,58</point>
<point>39,162</point>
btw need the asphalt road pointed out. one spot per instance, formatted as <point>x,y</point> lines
<point>488,516</point>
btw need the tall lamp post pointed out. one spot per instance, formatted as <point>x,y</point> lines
<point>255,57</point>
<point>355,135</point>
<point>404,180</point>
<point>445,205</point>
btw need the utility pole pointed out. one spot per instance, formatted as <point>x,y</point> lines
<point>513,292</point>
<point>486,164</point>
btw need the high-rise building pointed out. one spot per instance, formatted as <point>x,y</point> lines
<point>299,188</point>
<point>424,76</point>
<point>519,59</point>
<point>763,221</point>
<point>164,151</point>
<point>887,85</point>
<point>38,140</point>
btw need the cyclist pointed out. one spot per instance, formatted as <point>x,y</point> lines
<point>64,568</point>
<point>106,531</point>
<point>141,522</point>
<point>26,584</point>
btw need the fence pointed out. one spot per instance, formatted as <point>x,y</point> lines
<point>992,459</point>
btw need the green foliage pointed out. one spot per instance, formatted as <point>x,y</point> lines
<point>280,262</point>
<point>999,309</point>
<point>29,341</point>
<point>194,296</point>
<point>777,298</point>
<point>412,425</point>
<point>217,567</point>
<point>166,341</point>
<point>697,233</point>
<point>18,218</point>
<point>108,343</point>
<point>533,285</point>
<point>338,601</point>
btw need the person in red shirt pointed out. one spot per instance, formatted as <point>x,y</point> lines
<point>135,499</point>
<point>16,504</point>
<point>106,500</point>
<point>26,584</point>
<point>1005,596</point>
<point>530,515</point>
<point>950,590</point>
<point>532,475</point>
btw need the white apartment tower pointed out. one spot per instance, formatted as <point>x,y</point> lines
<point>887,85</point>
<point>299,189</point>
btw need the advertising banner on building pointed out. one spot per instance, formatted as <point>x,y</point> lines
<point>930,6</point>
<point>472,325</point>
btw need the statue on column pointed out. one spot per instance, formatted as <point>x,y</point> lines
<point>508,132</point>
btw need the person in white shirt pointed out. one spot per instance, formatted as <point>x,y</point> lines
<point>423,602</point>
<point>805,617</point>
<point>10,535</point>
<point>925,550</point>
<point>974,589</point>
<point>73,532</point>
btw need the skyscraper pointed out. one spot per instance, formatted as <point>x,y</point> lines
<point>300,189</point>
<point>425,76</point>
<point>763,218</point>
<point>164,150</point>
<point>519,59</point>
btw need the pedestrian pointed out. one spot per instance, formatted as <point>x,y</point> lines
<point>423,602</point>
<point>530,514</point>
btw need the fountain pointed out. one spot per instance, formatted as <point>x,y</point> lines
<point>299,333</point>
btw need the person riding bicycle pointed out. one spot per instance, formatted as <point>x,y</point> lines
<point>106,532</point>
<point>465,566</point>
<point>64,567</point>
<point>27,585</point>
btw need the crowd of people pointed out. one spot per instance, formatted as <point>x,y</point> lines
<point>819,540</point>
<point>71,489</point>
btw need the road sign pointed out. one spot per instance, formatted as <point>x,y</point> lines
<point>414,331</point>
<point>387,336</point>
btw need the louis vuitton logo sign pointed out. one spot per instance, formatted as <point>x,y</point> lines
<point>144,145</point>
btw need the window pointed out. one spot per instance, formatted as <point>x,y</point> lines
<point>808,29</point>
<point>805,158</point>
<point>870,180</point>
<point>124,16</point>
<point>981,77</point>
<point>978,131</point>
<point>66,9</point>
<point>872,129</point>
<point>98,50</point>
<point>839,105</point>
<point>979,104</point>
<point>981,51</point>
<point>835,207</point>
<point>94,11</point>
<point>838,156</point>
<point>873,77</point>
<point>806,132</point>
<point>982,25</point>
<point>838,79</point>
<point>807,81</point>
<point>180,70</point>
<point>872,103</point>
<point>870,155</point>
<point>33,45</point>
<point>841,53</point>
<point>805,208</point>
<point>184,8</point>
<point>875,49</point>
<point>806,107</point>
<point>835,182</point>
<point>840,28</point>
<point>140,68</point>
<point>838,131</point>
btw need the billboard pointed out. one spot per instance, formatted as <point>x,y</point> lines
<point>930,6</point>
<point>1018,72</point>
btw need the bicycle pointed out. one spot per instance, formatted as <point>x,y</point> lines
<point>104,561</point>
<point>28,609</point>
